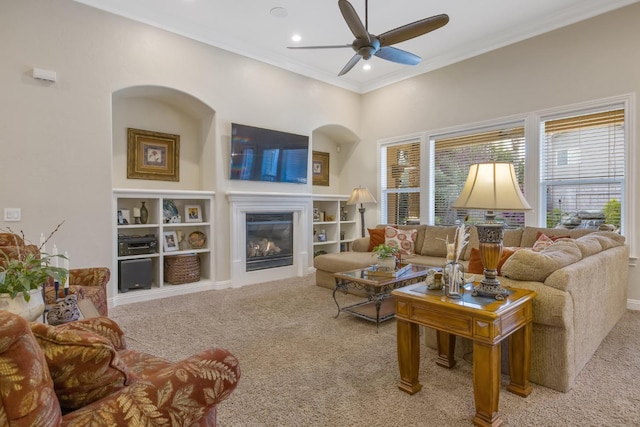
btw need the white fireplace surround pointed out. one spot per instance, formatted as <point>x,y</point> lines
<point>241,203</point>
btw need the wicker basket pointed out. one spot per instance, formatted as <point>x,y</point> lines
<point>181,269</point>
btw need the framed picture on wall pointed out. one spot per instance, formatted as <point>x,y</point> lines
<point>320,168</point>
<point>153,155</point>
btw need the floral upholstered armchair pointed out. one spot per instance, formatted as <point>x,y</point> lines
<point>87,283</point>
<point>82,374</point>
<point>90,283</point>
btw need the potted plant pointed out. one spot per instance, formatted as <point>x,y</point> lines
<point>386,256</point>
<point>22,277</point>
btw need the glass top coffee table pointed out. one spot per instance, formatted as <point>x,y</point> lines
<point>377,286</point>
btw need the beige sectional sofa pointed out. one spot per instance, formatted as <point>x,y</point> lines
<point>581,286</point>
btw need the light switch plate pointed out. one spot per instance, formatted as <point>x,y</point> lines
<point>12,214</point>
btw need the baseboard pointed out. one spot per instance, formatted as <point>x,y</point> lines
<point>633,304</point>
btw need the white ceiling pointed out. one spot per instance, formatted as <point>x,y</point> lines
<point>248,28</point>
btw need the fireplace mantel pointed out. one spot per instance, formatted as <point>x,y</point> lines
<point>240,203</point>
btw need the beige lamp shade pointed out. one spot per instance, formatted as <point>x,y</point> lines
<point>492,187</point>
<point>361,195</point>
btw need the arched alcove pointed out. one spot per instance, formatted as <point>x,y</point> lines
<point>339,141</point>
<point>166,110</point>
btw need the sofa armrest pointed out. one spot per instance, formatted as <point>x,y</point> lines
<point>102,326</point>
<point>93,276</point>
<point>177,395</point>
<point>361,244</point>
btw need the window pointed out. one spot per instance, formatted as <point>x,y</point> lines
<point>453,154</point>
<point>582,170</point>
<point>400,182</point>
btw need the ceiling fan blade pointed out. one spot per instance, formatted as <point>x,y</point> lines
<point>352,62</point>
<point>400,56</point>
<point>353,20</point>
<point>320,47</point>
<point>412,30</point>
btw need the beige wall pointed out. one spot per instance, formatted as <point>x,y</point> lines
<point>63,143</point>
<point>595,59</point>
<point>59,160</point>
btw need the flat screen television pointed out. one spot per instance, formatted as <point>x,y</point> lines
<point>267,155</point>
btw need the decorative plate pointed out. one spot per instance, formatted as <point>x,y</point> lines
<point>197,240</point>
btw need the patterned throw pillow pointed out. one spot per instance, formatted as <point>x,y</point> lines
<point>542,243</point>
<point>404,240</point>
<point>84,366</point>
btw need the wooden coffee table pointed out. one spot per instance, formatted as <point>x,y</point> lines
<point>378,307</point>
<point>484,320</point>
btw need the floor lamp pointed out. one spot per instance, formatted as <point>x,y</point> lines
<point>491,187</point>
<point>361,195</point>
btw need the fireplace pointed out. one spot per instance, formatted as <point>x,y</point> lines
<point>244,205</point>
<point>269,240</point>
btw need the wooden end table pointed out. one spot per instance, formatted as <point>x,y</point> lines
<point>484,320</point>
<point>377,290</point>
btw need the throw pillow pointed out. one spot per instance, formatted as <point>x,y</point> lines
<point>376,237</point>
<point>84,366</point>
<point>554,238</point>
<point>403,240</point>
<point>434,238</point>
<point>542,243</point>
<point>475,263</point>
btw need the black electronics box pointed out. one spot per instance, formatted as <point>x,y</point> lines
<point>134,274</point>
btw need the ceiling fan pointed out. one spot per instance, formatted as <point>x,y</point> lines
<point>367,45</point>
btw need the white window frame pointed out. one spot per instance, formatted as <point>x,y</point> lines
<point>382,183</point>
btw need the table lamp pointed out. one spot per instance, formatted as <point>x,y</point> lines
<point>491,187</point>
<point>361,195</point>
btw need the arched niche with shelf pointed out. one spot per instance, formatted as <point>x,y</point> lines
<point>166,110</point>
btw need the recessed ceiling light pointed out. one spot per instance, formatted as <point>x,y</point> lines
<point>279,12</point>
<point>366,67</point>
<point>296,38</point>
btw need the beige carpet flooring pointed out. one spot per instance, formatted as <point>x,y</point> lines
<point>303,367</point>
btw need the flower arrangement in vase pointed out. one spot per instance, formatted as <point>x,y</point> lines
<point>453,272</point>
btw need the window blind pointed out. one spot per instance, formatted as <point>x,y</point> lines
<point>400,186</point>
<point>583,168</point>
<point>454,154</point>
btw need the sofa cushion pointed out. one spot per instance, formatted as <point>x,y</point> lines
<point>403,240</point>
<point>526,264</point>
<point>376,237</point>
<point>84,366</point>
<point>338,262</point>
<point>529,234</point>
<point>598,241</point>
<point>434,240</point>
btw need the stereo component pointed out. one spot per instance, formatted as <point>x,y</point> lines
<point>134,274</point>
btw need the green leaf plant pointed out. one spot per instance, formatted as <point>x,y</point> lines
<point>29,271</point>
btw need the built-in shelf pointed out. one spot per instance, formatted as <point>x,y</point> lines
<point>130,200</point>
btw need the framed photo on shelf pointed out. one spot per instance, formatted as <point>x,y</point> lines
<point>170,241</point>
<point>153,155</point>
<point>193,213</point>
<point>320,168</point>
<point>124,217</point>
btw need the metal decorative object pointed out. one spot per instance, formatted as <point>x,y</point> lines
<point>490,235</point>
